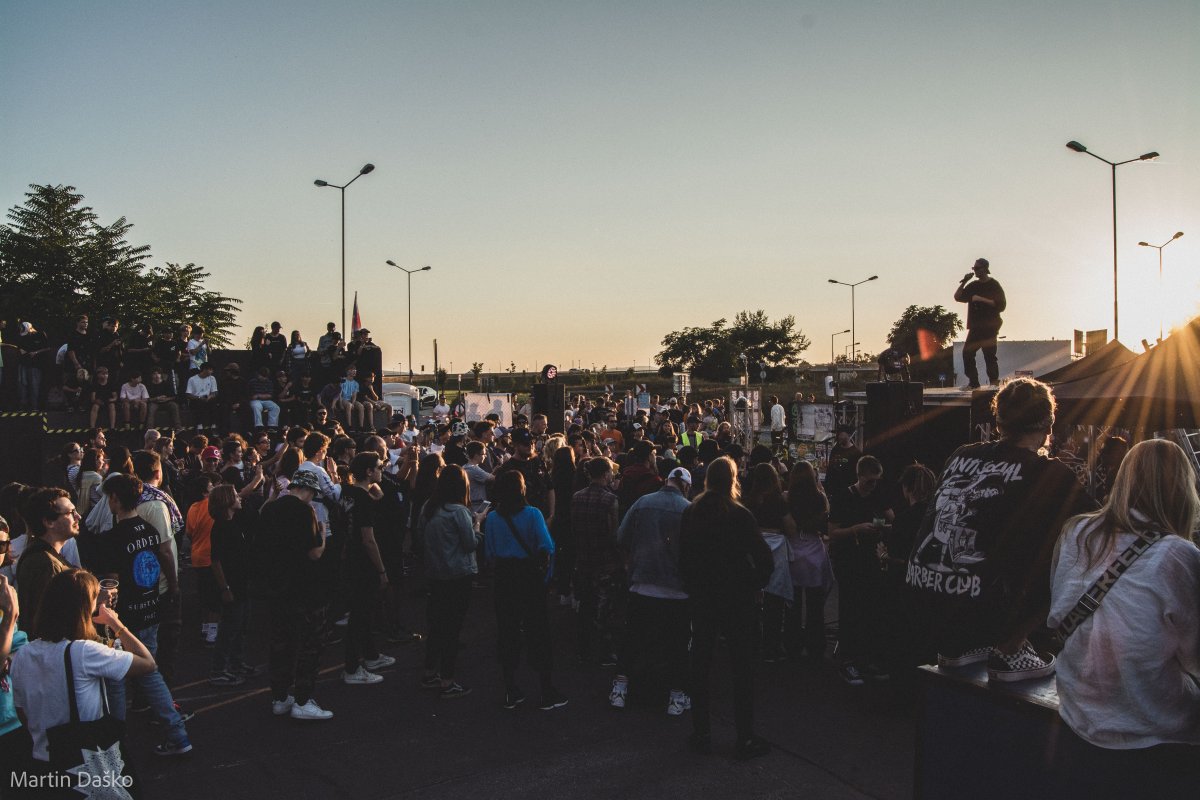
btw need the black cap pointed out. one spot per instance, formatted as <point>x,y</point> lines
<point>521,436</point>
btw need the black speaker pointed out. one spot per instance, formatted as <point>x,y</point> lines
<point>550,399</point>
<point>893,412</point>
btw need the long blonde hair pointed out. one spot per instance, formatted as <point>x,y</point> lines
<point>720,483</point>
<point>1155,490</point>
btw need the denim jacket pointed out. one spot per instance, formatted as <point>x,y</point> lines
<point>450,543</point>
<point>650,533</point>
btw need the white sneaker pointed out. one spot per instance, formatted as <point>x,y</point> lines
<point>310,710</point>
<point>380,662</point>
<point>679,703</point>
<point>281,707</point>
<point>616,697</point>
<point>361,675</point>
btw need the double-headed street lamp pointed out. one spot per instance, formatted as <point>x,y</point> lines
<point>320,183</point>
<point>409,273</point>
<point>853,336</point>
<point>1159,248</point>
<point>1078,148</point>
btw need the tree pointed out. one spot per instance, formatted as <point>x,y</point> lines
<point>58,261</point>
<point>714,352</point>
<point>477,370</point>
<point>922,331</point>
<point>440,377</point>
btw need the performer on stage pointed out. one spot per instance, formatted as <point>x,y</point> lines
<point>985,301</point>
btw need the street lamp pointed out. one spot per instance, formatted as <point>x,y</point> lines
<point>832,357</point>
<point>1160,247</point>
<point>367,168</point>
<point>853,336</point>
<point>409,273</point>
<point>1078,148</point>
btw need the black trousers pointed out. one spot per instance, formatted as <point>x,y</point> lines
<point>520,596</point>
<point>656,629</point>
<point>738,620</point>
<point>860,585</point>
<point>796,629</point>
<point>362,601</point>
<point>446,611</point>
<point>295,649</point>
<point>985,340</point>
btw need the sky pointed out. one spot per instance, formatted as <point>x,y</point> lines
<point>584,178</point>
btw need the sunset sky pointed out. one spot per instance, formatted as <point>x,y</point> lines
<point>586,177</point>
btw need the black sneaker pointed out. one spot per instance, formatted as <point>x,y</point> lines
<point>850,674</point>
<point>452,691</point>
<point>403,635</point>
<point>246,670</point>
<point>225,679</point>
<point>431,682</point>
<point>513,699</point>
<point>963,658</point>
<point>168,749</point>
<point>552,699</point>
<point>752,748</point>
<point>874,672</point>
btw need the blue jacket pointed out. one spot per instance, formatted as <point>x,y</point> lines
<point>650,533</point>
<point>450,542</point>
<point>530,525</point>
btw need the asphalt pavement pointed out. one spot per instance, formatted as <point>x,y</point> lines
<point>392,740</point>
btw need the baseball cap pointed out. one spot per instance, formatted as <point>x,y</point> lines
<point>522,436</point>
<point>210,452</point>
<point>680,474</point>
<point>306,479</point>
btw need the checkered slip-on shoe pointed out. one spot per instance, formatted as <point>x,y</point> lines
<point>1023,665</point>
<point>964,658</point>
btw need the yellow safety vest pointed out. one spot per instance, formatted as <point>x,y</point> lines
<point>698,437</point>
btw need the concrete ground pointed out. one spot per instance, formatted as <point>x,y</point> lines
<point>392,740</point>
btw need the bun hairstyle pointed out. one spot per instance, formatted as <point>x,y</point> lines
<point>1024,406</point>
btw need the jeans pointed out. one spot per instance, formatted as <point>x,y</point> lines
<point>154,690</point>
<point>448,600</point>
<point>520,596</point>
<point>738,620</point>
<point>657,630</point>
<point>295,648</point>
<point>271,407</point>
<point>29,380</point>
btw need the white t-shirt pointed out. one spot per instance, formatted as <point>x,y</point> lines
<point>131,392</point>
<point>202,387</point>
<point>40,685</point>
<point>1129,676</point>
<point>441,411</point>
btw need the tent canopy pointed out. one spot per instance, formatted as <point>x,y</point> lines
<point>1157,390</point>
<point>1112,354</point>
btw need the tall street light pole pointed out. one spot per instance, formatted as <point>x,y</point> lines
<point>409,273</point>
<point>1159,248</point>
<point>832,357</point>
<point>367,168</point>
<point>1078,148</point>
<point>854,336</point>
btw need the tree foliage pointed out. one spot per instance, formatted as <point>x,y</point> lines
<point>715,351</point>
<point>921,331</point>
<point>58,261</point>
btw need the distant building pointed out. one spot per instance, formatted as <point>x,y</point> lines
<point>1021,358</point>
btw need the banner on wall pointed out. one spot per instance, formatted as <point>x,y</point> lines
<point>480,404</point>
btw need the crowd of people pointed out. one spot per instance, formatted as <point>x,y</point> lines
<point>658,531</point>
<point>143,379</point>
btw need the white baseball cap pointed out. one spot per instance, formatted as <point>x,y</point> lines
<point>680,474</point>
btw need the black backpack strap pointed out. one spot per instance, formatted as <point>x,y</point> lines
<point>1090,600</point>
<point>71,701</point>
<point>517,536</point>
